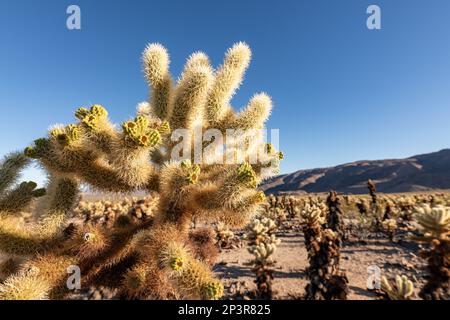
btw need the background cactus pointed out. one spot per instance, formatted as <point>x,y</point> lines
<point>262,243</point>
<point>138,155</point>
<point>400,289</point>
<point>224,236</point>
<point>323,244</point>
<point>435,223</point>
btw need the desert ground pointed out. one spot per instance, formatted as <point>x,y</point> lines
<point>363,247</point>
<point>292,260</point>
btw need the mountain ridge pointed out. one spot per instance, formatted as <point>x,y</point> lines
<point>424,172</point>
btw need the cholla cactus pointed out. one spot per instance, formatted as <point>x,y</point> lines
<point>362,206</point>
<point>313,213</point>
<point>106,212</point>
<point>390,227</point>
<point>139,155</point>
<point>264,250</point>
<point>327,281</point>
<point>373,192</point>
<point>259,229</point>
<point>400,289</point>
<point>435,223</point>
<point>262,244</point>
<point>224,236</point>
<point>335,215</point>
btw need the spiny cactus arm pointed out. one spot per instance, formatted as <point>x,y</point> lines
<point>190,96</point>
<point>228,78</point>
<point>62,197</point>
<point>102,176</point>
<point>19,238</point>
<point>131,157</point>
<point>268,163</point>
<point>87,242</point>
<point>99,249</point>
<point>177,182</point>
<point>255,114</point>
<point>435,221</point>
<point>193,278</point>
<point>197,59</point>
<point>155,60</point>
<point>75,159</point>
<point>233,199</point>
<point>24,287</point>
<point>127,151</point>
<point>63,151</point>
<point>40,278</point>
<point>96,128</point>
<point>19,198</point>
<point>10,169</point>
<point>135,279</point>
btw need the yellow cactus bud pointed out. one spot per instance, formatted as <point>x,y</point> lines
<point>246,175</point>
<point>192,171</point>
<point>269,148</point>
<point>153,138</point>
<point>80,113</point>
<point>139,132</point>
<point>65,136</point>
<point>176,263</point>
<point>30,152</point>
<point>212,290</point>
<point>57,132</point>
<point>40,145</point>
<point>99,111</point>
<point>164,128</point>
<point>91,118</point>
<point>260,197</point>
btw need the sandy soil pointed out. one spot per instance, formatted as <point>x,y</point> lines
<point>291,261</point>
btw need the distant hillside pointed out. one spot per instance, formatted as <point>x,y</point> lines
<point>419,173</point>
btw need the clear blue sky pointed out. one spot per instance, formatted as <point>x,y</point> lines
<point>341,92</point>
